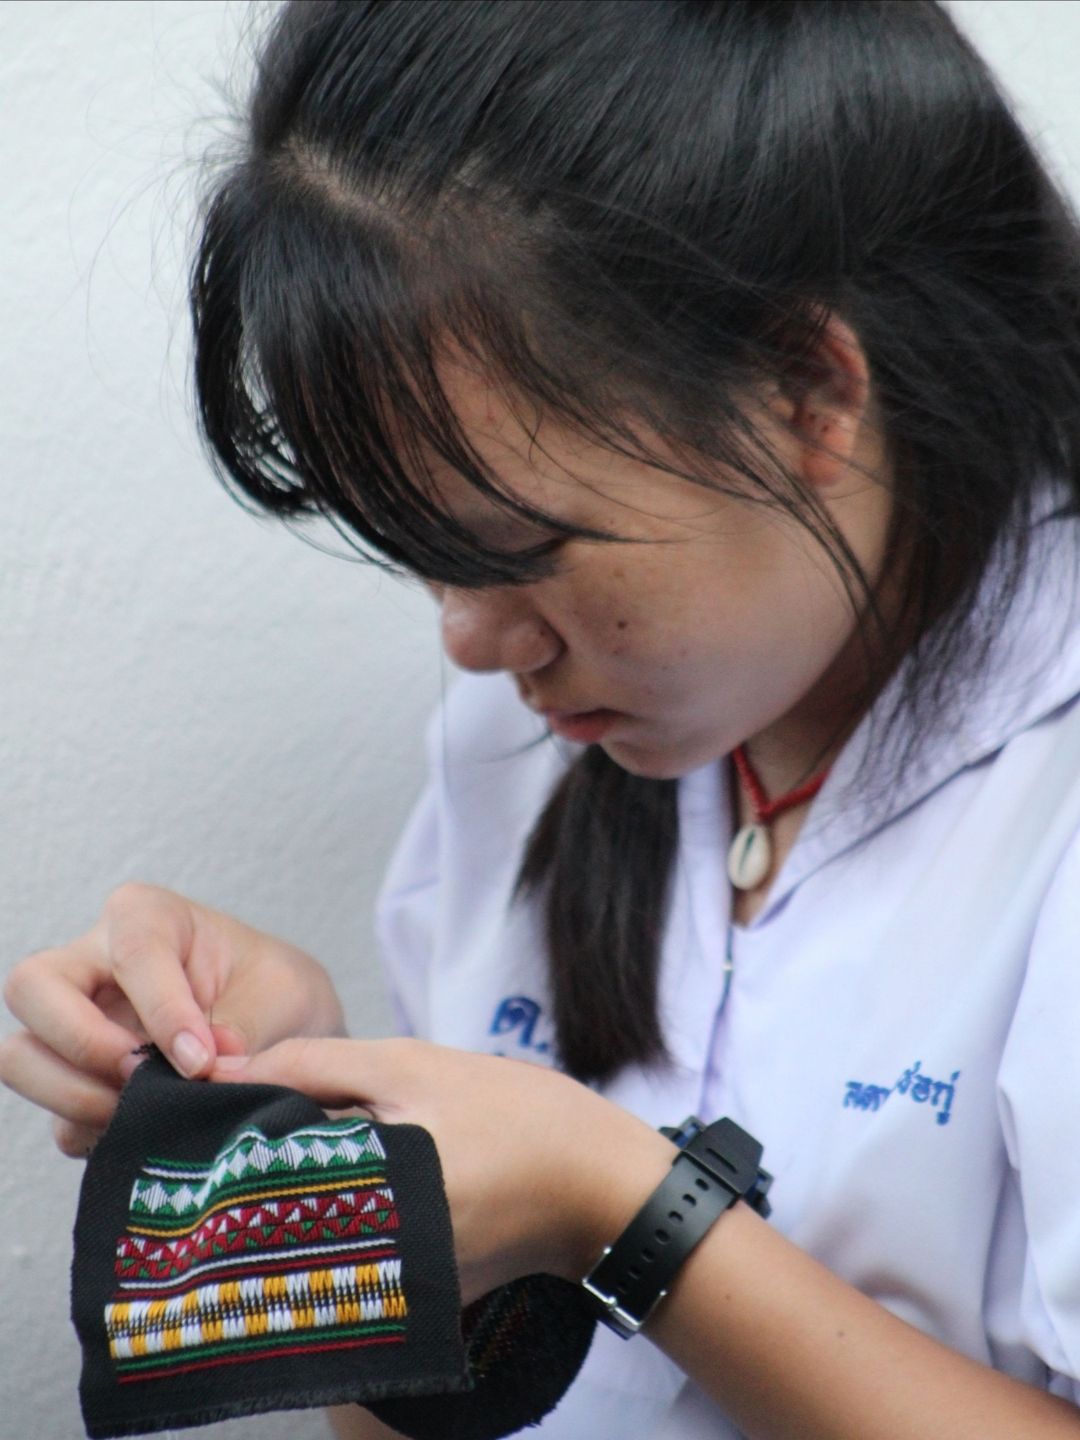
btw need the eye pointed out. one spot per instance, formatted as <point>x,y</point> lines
<point>542,548</point>
<point>518,539</point>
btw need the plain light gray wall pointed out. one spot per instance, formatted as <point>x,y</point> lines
<point>191,696</point>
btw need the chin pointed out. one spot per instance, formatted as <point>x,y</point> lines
<point>653,764</point>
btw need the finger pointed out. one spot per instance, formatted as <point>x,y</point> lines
<point>35,1072</point>
<point>49,993</point>
<point>228,1039</point>
<point>75,1140</point>
<point>272,991</point>
<point>349,1112</point>
<point>375,1074</point>
<point>148,934</point>
<point>260,989</point>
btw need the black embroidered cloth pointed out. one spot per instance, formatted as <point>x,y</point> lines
<point>237,1251</point>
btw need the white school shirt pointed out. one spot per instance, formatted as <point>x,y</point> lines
<point>899,1026</point>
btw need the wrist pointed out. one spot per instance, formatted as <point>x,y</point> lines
<point>715,1166</point>
<point>618,1173</point>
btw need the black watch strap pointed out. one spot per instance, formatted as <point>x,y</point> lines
<point>717,1165</point>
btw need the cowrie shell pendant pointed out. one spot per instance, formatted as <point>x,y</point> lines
<point>750,857</point>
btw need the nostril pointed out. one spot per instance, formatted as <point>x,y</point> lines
<point>530,646</point>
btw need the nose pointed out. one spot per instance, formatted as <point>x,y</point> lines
<point>496,629</point>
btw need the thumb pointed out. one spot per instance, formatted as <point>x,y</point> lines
<point>334,1072</point>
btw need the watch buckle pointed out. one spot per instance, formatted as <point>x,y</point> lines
<point>614,1316</point>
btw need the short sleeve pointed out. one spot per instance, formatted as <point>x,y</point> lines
<point>1039,1099</point>
<point>406,905</point>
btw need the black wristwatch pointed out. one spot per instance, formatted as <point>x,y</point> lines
<point>716,1165</point>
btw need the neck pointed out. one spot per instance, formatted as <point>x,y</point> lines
<point>810,736</point>
<point>805,742</point>
<point>790,752</point>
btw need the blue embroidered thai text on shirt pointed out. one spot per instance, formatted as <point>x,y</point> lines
<point>921,1088</point>
<point>518,1014</point>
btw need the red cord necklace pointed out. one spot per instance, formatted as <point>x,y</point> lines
<point>750,856</point>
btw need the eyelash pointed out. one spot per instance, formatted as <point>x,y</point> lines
<point>545,547</point>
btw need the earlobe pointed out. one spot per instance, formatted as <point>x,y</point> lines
<point>827,414</point>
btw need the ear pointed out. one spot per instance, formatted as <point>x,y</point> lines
<point>823,405</point>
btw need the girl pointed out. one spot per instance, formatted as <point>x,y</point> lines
<point>717,365</point>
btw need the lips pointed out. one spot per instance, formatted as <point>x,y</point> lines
<point>585,727</point>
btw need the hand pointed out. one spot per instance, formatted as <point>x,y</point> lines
<point>540,1171</point>
<point>156,966</point>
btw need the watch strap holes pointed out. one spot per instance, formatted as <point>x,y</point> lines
<point>635,1270</point>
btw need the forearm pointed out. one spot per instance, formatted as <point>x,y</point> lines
<point>785,1347</point>
<point>542,1172</point>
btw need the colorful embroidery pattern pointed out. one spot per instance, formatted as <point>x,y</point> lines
<point>276,1246</point>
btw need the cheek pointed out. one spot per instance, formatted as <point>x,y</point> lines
<point>620,636</point>
<point>604,612</point>
<point>622,630</point>
<point>761,603</point>
<point>772,624</point>
<point>643,617</point>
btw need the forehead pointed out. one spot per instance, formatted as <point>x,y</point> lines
<point>548,464</point>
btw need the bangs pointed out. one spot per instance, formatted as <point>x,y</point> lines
<point>318,335</point>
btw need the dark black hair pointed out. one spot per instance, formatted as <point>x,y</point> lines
<point>631,211</point>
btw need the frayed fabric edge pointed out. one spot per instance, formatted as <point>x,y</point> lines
<point>287,1400</point>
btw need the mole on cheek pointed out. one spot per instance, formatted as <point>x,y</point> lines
<point>622,624</point>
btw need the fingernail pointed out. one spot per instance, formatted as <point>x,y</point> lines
<point>189,1053</point>
<point>231,1062</point>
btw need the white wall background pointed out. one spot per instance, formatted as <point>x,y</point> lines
<point>188,695</point>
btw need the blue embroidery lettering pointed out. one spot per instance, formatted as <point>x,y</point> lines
<point>519,1013</point>
<point>948,1089</point>
<point>865,1097</point>
<point>922,1088</point>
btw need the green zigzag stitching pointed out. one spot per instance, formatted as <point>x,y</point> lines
<point>168,1185</point>
<point>263,1343</point>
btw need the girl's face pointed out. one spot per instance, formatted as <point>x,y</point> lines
<point>730,625</point>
